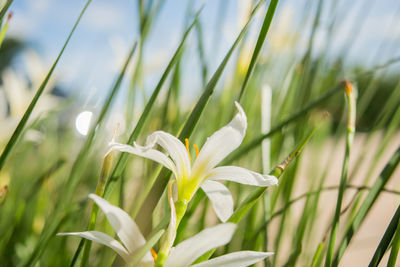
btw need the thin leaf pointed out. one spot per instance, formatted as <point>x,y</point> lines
<point>394,252</point>
<point>4,9</point>
<point>123,158</point>
<point>64,202</point>
<point>258,140</point>
<point>139,254</point>
<point>162,180</point>
<point>260,41</point>
<point>386,239</point>
<point>250,201</point>
<point>365,207</point>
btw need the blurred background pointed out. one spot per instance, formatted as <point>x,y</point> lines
<point>310,47</point>
<point>357,35</point>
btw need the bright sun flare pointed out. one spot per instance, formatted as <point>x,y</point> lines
<point>82,122</point>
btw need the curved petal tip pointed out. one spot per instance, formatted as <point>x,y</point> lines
<point>241,115</point>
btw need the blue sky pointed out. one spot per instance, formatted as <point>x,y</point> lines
<point>108,28</point>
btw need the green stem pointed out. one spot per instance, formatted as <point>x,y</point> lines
<point>351,97</point>
<point>104,174</point>
<point>179,209</point>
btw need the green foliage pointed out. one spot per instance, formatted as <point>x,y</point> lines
<point>44,183</point>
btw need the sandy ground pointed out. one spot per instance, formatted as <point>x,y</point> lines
<point>364,243</point>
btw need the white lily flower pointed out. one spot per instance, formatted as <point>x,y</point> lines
<point>126,229</point>
<point>183,255</point>
<point>203,173</point>
<point>186,252</point>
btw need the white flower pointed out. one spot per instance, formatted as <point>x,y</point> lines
<point>17,91</point>
<point>186,252</point>
<point>126,229</point>
<point>183,255</point>
<point>203,173</point>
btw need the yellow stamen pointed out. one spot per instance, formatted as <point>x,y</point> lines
<point>187,147</point>
<point>154,254</point>
<point>115,133</point>
<point>197,150</point>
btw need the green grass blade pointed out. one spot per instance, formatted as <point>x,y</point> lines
<point>252,199</point>
<point>64,202</point>
<point>46,175</point>
<point>202,57</point>
<point>260,41</point>
<point>155,193</point>
<point>28,112</point>
<point>123,159</point>
<point>139,254</point>
<point>394,252</point>
<point>386,239</point>
<point>242,210</point>
<point>4,9</point>
<point>71,184</point>
<point>4,29</point>
<point>73,180</point>
<point>59,220</point>
<point>318,256</point>
<point>104,174</point>
<point>301,229</point>
<point>258,140</point>
<point>209,90</point>
<point>365,207</point>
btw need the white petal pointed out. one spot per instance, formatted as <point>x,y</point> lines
<point>123,225</point>
<point>171,231</point>
<point>235,259</point>
<point>152,154</point>
<point>174,147</point>
<point>241,175</point>
<point>104,239</point>
<point>189,250</point>
<point>220,197</point>
<point>222,142</point>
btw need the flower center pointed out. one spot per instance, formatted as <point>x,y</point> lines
<point>188,151</point>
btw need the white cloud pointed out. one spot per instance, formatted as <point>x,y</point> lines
<point>104,16</point>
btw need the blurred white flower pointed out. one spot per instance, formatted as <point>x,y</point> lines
<point>183,255</point>
<point>204,172</point>
<point>19,91</point>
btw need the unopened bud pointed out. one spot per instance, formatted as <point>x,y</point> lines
<point>351,94</point>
